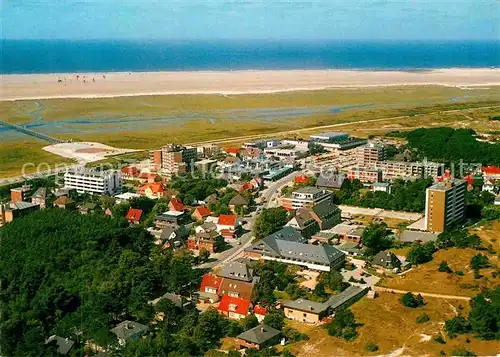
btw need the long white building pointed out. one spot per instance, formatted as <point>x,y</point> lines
<point>94,182</point>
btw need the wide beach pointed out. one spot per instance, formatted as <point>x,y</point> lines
<point>116,84</point>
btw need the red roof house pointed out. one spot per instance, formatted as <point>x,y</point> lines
<point>233,307</point>
<point>210,285</point>
<point>152,190</point>
<point>201,212</point>
<point>260,312</point>
<point>233,151</point>
<point>130,172</point>
<point>134,215</point>
<point>176,204</point>
<point>228,226</point>
<point>491,172</point>
<point>301,179</point>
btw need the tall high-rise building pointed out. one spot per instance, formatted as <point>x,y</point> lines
<point>370,154</point>
<point>173,159</point>
<point>444,204</point>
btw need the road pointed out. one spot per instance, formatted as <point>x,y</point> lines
<point>270,194</point>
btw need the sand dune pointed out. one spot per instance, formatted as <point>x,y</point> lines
<point>95,85</point>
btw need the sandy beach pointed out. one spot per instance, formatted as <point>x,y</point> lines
<point>114,84</point>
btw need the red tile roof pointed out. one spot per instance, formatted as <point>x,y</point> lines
<point>491,170</point>
<point>234,304</point>
<point>301,179</point>
<point>259,310</point>
<point>227,219</point>
<point>156,187</point>
<point>134,214</point>
<point>203,211</point>
<point>176,205</point>
<point>210,281</point>
<point>131,171</point>
<point>232,150</point>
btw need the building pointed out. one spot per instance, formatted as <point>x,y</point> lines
<point>369,155</point>
<point>409,170</point>
<point>173,160</point>
<point>309,221</point>
<point>125,197</point>
<point>259,337</point>
<point>63,345</point>
<point>285,153</point>
<point>210,241</point>
<point>173,235</point>
<point>168,218</point>
<point>364,174</point>
<point>176,205</point>
<point>238,201</point>
<point>128,330</point>
<point>307,311</point>
<point>94,182</point>
<point>329,137</point>
<point>332,181</point>
<point>41,197</point>
<point>228,226</point>
<point>260,313</point>
<point>20,193</point>
<point>444,205</point>
<point>201,213</point>
<point>289,247</point>
<point>153,190</point>
<point>386,260</point>
<point>305,197</point>
<point>234,307</point>
<point>207,151</point>
<point>65,202</point>
<point>210,286</point>
<point>15,209</point>
<point>381,187</point>
<point>134,215</point>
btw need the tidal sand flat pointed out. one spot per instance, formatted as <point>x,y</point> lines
<point>103,85</point>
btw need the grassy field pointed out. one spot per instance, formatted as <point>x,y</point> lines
<point>391,326</point>
<point>151,121</point>
<point>428,279</point>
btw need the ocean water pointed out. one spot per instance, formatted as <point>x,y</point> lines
<point>53,56</point>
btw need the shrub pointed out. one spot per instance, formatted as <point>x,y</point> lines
<point>371,347</point>
<point>463,352</point>
<point>423,317</point>
<point>456,325</point>
<point>459,273</point>
<point>410,300</point>
<point>439,339</point>
<point>479,261</point>
<point>444,268</point>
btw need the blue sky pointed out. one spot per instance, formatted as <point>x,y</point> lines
<point>254,19</point>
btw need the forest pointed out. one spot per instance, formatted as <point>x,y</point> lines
<point>77,276</point>
<point>450,145</point>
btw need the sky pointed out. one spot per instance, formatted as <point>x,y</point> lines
<point>251,19</point>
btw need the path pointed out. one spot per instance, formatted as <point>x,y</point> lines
<point>440,296</point>
<point>33,133</point>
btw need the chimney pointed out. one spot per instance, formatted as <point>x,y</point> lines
<point>262,329</point>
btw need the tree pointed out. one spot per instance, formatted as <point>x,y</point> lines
<point>479,261</point>
<point>249,322</point>
<point>269,221</point>
<point>463,352</point>
<point>410,300</point>
<point>343,325</point>
<point>420,254</point>
<point>319,290</point>
<point>204,255</point>
<point>275,319</point>
<point>484,316</point>
<point>423,317</point>
<point>211,327</point>
<point>376,237</point>
<point>457,325</point>
<point>332,279</point>
<point>444,268</point>
<point>315,148</point>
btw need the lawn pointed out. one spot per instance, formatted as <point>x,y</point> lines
<point>391,326</point>
<point>427,278</point>
<point>15,154</point>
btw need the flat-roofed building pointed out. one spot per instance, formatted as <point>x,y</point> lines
<point>364,174</point>
<point>20,193</point>
<point>370,154</point>
<point>407,170</point>
<point>329,137</point>
<point>444,204</point>
<point>94,182</point>
<point>305,197</point>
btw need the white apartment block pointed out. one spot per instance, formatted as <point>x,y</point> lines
<point>94,182</point>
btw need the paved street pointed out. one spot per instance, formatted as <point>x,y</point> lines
<point>270,194</point>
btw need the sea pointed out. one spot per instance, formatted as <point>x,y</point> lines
<point>68,56</point>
